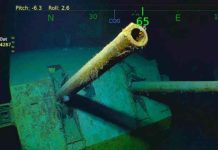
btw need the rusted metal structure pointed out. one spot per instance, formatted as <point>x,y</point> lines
<point>45,123</point>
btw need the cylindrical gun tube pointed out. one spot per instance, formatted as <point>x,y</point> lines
<point>132,38</point>
<point>174,86</point>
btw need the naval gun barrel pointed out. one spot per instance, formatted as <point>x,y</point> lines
<point>174,86</point>
<point>132,38</point>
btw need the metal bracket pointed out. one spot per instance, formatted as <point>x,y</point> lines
<point>5,115</point>
<point>57,75</point>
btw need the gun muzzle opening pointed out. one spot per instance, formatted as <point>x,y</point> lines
<point>137,35</point>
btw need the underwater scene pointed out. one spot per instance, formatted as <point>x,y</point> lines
<point>109,76</point>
